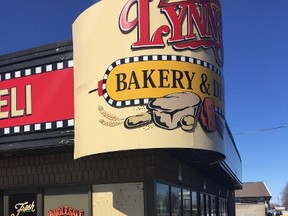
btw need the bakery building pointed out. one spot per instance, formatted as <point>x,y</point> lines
<point>127,128</point>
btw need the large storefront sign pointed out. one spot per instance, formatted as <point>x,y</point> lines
<point>23,204</point>
<point>150,76</point>
<point>36,98</point>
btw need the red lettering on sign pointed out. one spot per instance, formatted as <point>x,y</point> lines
<point>201,18</point>
<point>40,98</point>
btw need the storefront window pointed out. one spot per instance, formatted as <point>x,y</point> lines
<point>213,206</point>
<point>220,208</point>
<point>202,204</point>
<point>194,203</point>
<point>162,199</point>
<point>176,199</point>
<point>20,204</point>
<point>223,211</point>
<point>208,207</point>
<point>225,207</point>
<point>186,202</point>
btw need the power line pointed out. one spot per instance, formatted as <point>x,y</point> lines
<point>261,130</point>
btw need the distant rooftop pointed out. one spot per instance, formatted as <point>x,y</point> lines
<point>253,189</point>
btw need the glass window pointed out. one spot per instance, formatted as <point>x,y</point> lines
<point>162,200</point>
<point>220,207</point>
<point>202,204</point>
<point>207,205</point>
<point>176,200</point>
<point>23,204</point>
<point>223,208</point>
<point>194,203</point>
<point>213,206</point>
<point>186,202</point>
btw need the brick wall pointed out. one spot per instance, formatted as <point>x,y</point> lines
<point>62,168</point>
<point>57,169</point>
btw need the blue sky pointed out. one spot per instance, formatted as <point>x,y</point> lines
<point>34,23</point>
<point>256,51</point>
<point>255,69</point>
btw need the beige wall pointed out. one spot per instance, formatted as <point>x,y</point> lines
<point>118,199</point>
<point>250,209</point>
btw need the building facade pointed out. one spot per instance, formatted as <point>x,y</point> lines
<point>39,175</point>
<point>253,199</point>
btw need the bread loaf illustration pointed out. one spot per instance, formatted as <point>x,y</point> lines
<point>174,110</point>
<point>139,120</point>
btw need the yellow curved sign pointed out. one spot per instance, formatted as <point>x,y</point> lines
<point>157,68</point>
<point>137,80</point>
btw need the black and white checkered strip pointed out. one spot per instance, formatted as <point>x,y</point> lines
<point>33,71</point>
<point>219,111</point>
<point>149,58</point>
<point>36,70</point>
<point>37,127</point>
